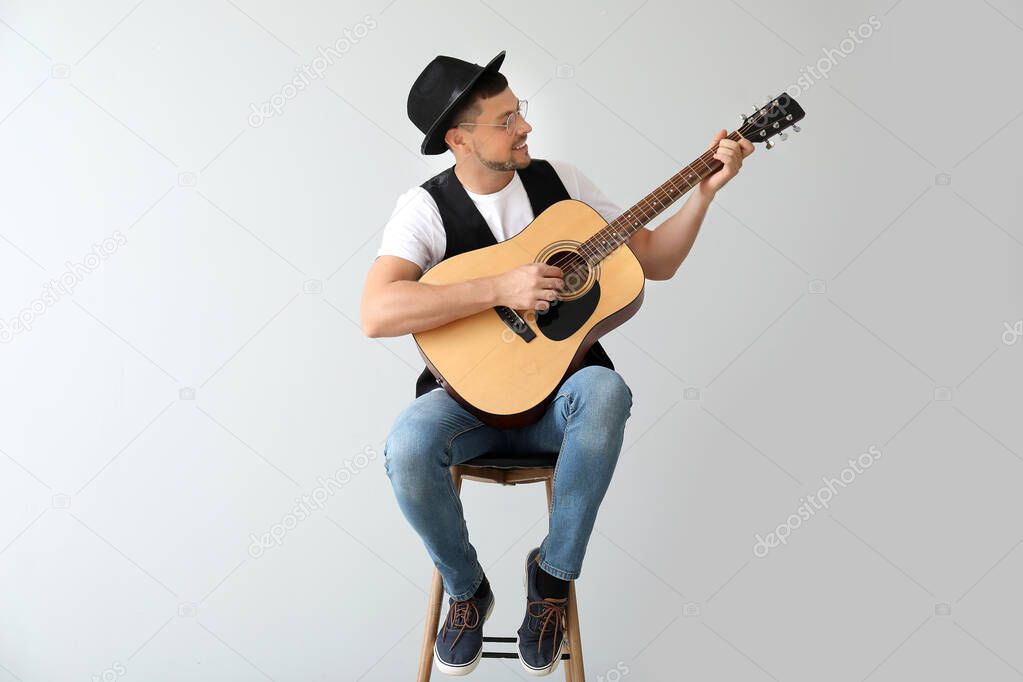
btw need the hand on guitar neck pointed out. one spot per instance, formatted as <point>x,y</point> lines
<point>730,153</point>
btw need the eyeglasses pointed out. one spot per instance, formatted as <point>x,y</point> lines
<point>511,123</point>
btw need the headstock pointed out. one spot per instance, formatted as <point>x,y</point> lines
<point>773,118</point>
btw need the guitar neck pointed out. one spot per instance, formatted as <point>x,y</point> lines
<point>603,243</point>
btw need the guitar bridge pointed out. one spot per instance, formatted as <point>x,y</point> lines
<point>515,323</point>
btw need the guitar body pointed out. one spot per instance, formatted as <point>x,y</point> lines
<point>505,369</point>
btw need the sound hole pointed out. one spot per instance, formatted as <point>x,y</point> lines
<point>575,269</point>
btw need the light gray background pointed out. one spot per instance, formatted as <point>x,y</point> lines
<point>211,369</point>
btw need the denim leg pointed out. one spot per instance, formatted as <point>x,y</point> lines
<point>585,424</point>
<point>432,433</point>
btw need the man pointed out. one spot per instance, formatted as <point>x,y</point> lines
<point>493,191</point>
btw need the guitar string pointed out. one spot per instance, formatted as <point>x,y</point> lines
<point>593,251</point>
<point>590,252</point>
<point>646,207</point>
<point>748,125</point>
<point>645,204</point>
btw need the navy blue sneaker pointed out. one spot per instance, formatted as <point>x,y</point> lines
<point>459,644</point>
<point>542,634</point>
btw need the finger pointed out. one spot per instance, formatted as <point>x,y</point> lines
<point>552,283</point>
<point>545,295</point>
<point>730,165</point>
<point>724,156</point>
<point>719,135</point>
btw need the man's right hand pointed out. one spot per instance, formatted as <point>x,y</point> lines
<point>529,287</point>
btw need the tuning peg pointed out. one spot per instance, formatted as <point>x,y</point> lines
<point>795,128</point>
<point>769,144</point>
<point>784,136</point>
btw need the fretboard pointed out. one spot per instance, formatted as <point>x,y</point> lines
<point>618,232</point>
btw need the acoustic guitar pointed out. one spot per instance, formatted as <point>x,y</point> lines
<point>505,365</point>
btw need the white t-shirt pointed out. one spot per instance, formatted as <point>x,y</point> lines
<point>415,231</point>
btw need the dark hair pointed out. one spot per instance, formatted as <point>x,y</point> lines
<point>490,84</point>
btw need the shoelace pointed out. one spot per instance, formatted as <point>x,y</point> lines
<point>462,612</point>
<point>550,609</point>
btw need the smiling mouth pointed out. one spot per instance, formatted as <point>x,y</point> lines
<point>521,146</point>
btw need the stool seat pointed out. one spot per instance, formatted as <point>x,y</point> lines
<point>506,460</point>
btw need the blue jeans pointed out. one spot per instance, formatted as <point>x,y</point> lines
<point>585,424</point>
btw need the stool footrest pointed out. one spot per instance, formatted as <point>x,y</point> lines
<point>506,654</point>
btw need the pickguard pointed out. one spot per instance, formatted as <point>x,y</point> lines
<point>565,318</point>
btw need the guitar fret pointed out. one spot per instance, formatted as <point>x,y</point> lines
<point>618,231</point>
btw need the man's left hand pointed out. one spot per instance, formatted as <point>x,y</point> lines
<point>730,153</point>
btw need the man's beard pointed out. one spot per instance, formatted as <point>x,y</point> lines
<point>511,164</point>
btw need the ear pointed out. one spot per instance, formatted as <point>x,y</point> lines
<point>455,138</point>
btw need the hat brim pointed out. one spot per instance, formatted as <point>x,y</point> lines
<point>433,141</point>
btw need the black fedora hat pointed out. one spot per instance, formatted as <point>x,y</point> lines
<point>438,90</point>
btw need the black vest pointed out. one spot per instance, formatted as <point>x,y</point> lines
<point>466,229</point>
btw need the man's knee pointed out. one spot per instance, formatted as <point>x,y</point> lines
<point>414,447</point>
<point>602,389</point>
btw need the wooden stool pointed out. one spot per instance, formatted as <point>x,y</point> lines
<point>506,470</point>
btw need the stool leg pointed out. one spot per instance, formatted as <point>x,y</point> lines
<point>433,603</point>
<point>575,640</point>
<point>568,666</point>
<point>432,622</point>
